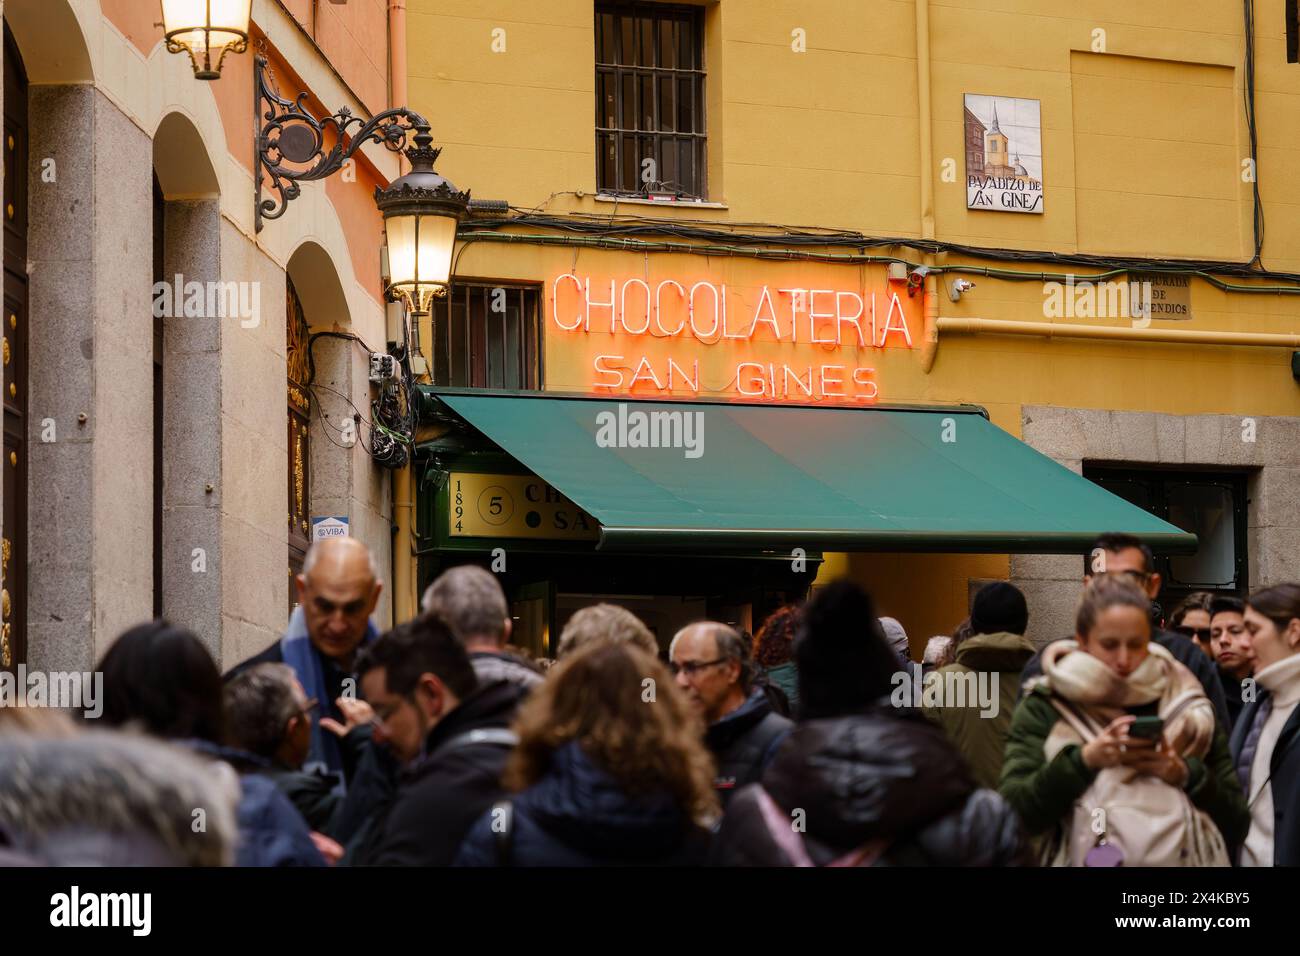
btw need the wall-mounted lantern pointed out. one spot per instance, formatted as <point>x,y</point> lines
<point>421,209</point>
<point>206,30</point>
<point>421,213</point>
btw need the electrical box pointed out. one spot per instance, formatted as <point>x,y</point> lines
<point>383,367</point>
<point>395,320</point>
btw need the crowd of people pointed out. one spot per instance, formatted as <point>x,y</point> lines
<point>440,743</point>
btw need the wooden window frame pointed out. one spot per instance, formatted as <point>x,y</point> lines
<point>616,67</point>
<point>460,360</point>
<point>1158,481</point>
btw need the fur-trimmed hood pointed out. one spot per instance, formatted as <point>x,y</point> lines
<point>106,797</point>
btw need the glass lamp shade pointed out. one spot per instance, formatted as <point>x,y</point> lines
<point>419,255</point>
<point>207,30</point>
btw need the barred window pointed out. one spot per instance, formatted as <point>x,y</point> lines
<point>650,132</point>
<point>1211,505</point>
<point>486,335</point>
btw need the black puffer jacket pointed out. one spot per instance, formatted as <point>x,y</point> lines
<point>744,742</point>
<point>451,786</point>
<point>881,775</point>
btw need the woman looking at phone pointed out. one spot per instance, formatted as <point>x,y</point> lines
<point>1114,757</point>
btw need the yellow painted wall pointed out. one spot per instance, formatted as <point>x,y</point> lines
<point>1143,144</point>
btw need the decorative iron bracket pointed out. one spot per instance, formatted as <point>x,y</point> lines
<point>286,132</point>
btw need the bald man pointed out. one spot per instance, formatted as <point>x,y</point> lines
<point>337,592</point>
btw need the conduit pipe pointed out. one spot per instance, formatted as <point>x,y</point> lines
<point>1111,333</point>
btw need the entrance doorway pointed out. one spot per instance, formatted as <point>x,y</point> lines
<point>666,592</point>
<point>663,614</point>
<point>13,599</point>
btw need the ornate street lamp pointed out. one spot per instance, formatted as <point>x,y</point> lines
<point>421,212</point>
<point>421,209</point>
<point>207,30</point>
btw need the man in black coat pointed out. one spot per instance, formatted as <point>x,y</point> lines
<point>1234,657</point>
<point>712,668</point>
<point>1125,554</point>
<point>450,732</point>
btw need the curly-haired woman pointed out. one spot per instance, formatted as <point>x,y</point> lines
<point>610,770</point>
<point>774,651</point>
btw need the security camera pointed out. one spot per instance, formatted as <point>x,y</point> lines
<point>916,279</point>
<point>958,287</point>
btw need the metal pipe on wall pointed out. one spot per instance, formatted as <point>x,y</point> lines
<point>405,601</point>
<point>926,140</point>
<point>1122,333</point>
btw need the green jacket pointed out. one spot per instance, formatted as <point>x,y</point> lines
<point>980,737</point>
<point>1044,793</point>
<point>786,677</point>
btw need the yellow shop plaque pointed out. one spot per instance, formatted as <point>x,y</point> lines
<point>514,506</point>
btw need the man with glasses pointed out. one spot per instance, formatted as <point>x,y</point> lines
<point>711,667</point>
<point>269,715</point>
<point>1124,554</point>
<point>1233,650</point>
<point>449,730</point>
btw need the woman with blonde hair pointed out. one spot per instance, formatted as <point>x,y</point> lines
<point>609,770</point>
<point>604,622</point>
<point>1114,756</point>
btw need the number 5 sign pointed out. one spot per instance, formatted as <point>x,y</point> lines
<point>513,506</point>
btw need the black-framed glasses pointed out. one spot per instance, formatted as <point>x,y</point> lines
<point>310,708</point>
<point>694,667</point>
<point>1201,634</point>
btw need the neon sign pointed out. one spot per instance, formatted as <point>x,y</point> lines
<point>780,342</point>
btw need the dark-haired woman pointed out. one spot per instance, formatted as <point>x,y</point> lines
<point>161,680</point>
<point>1266,741</point>
<point>1191,618</point>
<point>860,781</point>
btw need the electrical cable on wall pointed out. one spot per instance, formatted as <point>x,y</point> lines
<point>703,237</point>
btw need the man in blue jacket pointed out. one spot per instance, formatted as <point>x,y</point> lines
<point>337,592</point>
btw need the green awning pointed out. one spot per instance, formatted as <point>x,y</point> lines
<point>781,477</point>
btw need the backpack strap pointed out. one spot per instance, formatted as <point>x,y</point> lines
<point>1081,723</point>
<point>781,831</point>
<point>865,855</point>
<point>497,736</point>
<point>791,843</point>
<point>1182,702</point>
